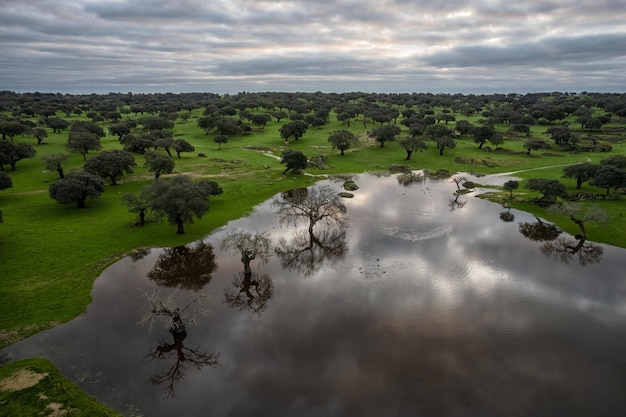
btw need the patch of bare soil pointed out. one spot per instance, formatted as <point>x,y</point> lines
<point>22,379</point>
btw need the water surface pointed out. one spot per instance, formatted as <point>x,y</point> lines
<point>426,305</point>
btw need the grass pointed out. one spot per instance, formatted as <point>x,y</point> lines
<point>34,387</point>
<point>50,254</point>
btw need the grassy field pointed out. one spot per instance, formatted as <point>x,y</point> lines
<point>50,253</point>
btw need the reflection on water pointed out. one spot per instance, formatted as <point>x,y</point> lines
<point>412,310</point>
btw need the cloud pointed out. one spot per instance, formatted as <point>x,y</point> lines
<point>345,45</point>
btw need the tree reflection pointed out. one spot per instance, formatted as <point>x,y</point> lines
<point>321,207</point>
<point>165,309</point>
<point>251,291</point>
<point>185,267</point>
<point>539,231</point>
<point>507,216</point>
<point>306,251</point>
<point>564,250</point>
<point>455,203</point>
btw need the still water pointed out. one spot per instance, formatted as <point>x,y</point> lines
<point>427,304</point>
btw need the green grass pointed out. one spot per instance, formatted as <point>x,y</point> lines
<point>51,253</point>
<point>34,387</point>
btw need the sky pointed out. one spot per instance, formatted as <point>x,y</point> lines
<point>388,46</point>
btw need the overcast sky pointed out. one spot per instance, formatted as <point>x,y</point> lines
<point>227,46</point>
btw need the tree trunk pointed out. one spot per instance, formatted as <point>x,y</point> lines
<point>579,183</point>
<point>80,204</point>
<point>441,148</point>
<point>408,155</point>
<point>341,152</point>
<point>179,223</point>
<point>113,182</point>
<point>142,217</point>
<point>60,171</point>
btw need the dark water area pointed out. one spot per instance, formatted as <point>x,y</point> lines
<point>425,305</point>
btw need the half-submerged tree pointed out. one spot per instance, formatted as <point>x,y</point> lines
<point>111,164</point>
<point>76,187</point>
<point>179,198</point>
<point>251,291</point>
<point>165,309</point>
<point>318,206</point>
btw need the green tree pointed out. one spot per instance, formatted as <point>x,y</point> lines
<point>57,124</point>
<point>81,142</point>
<point>609,176</point>
<point>137,205</point>
<point>11,128</point>
<point>533,145</point>
<point>159,164</point>
<point>40,134</point>
<point>412,144</point>
<point>11,153</point>
<point>181,145</point>
<point>342,140</point>
<point>179,199</point>
<point>293,160</point>
<point>385,133</point>
<point>76,187</point>
<point>442,135</point>
<point>111,164</point>
<point>260,120</point>
<point>510,186</point>
<point>5,181</point>
<point>294,129</point>
<point>119,129</point>
<point>54,162</point>
<point>581,172</point>
<point>550,189</point>
<point>618,161</point>
<point>219,139</point>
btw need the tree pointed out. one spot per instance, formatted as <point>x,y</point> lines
<point>442,136</point>
<point>534,145</point>
<point>618,161</point>
<point>5,181</point>
<point>11,153</point>
<point>111,164</point>
<point>510,186</point>
<point>40,134</point>
<point>57,124</point>
<point>550,189</point>
<point>156,123</point>
<point>385,133</point>
<point>609,176</point>
<point>320,204</point>
<point>187,267</point>
<point>342,140</point>
<point>76,187</point>
<point>484,133</point>
<point>54,162</point>
<point>464,127</point>
<point>260,120</point>
<point>581,172</point>
<point>11,128</point>
<point>293,160</point>
<point>119,129</point>
<point>137,205</point>
<point>181,145</point>
<point>219,139</point>
<point>82,142</point>
<point>412,144</point>
<point>159,164</point>
<point>227,126</point>
<point>179,199</point>
<point>294,129</point>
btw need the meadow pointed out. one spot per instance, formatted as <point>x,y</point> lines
<point>50,254</point>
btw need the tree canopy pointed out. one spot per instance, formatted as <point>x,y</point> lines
<point>179,198</point>
<point>342,140</point>
<point>111,164</point>
<point>76,187</point>
<point>294,160</point>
